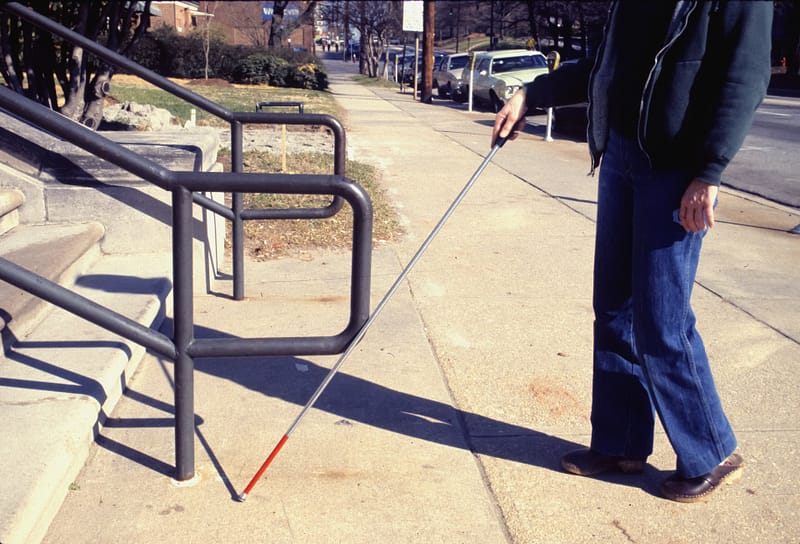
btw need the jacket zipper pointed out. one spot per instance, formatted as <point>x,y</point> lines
<point>647,91</point>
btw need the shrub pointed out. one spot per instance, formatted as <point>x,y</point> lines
<point>308,76</point>
<point>261,68</point>
<point>170,54</point>
<point>282,67</point>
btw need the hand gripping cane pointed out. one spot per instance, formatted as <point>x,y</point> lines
<point>368,323</point>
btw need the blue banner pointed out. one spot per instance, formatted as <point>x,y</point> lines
<point>291,13</point>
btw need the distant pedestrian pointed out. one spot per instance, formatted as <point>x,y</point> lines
<point>671,95</point>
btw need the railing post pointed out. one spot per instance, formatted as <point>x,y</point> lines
<point>183,332</point>
<point>237,205</point>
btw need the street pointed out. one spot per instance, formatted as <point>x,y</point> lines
<point>767,164</point>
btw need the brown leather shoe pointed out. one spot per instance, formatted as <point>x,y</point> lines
<point>586,462</point>
<point>696,489</point>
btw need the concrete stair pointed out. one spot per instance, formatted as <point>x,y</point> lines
<point>58,252</point>
<point>10,201</point>
<point>96,230</point>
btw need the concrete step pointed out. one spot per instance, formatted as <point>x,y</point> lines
<point>63,183</point>
<point>105,234</point>
<point>57,252</point>
<point>58,383</point>
<point>10,201</point>
<point>54,160</point>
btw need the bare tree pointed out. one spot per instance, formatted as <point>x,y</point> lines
<point>208,14</point>
<point>280,27</point>
<point>44,59</point>
<point>247,21</point>
<point>377,22</point>
<point>276,27</point>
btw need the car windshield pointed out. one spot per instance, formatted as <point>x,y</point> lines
<point>525,62</point>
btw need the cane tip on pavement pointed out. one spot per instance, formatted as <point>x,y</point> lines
<point>242,497</point>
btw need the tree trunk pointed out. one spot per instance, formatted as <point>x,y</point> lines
<point>8,67</point>
<point>120,18</point>
<point>363,38</point>
<point>95,101</point>
<point>346,29</point>
<point>43,51</point>
<point>210,8</point>
<point>75,86</point>
<point>276,27</point>
<point>532,23</point>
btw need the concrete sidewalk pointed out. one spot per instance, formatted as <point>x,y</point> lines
<point>448,420</point>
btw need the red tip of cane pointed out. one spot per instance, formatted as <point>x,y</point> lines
<point>263,468</point>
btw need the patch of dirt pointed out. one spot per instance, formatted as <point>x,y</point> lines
<point>210,82</point>
<point>128,79</point>
<point>556,400</point>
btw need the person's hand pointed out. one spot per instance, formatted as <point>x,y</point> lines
<point>510,120</point>
<point>697,206</point>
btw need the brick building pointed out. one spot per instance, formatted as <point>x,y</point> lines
<point>241,23</point>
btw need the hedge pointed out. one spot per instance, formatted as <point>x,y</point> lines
<point>173,55</point>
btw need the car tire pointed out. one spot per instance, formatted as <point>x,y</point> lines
<point>443,91</point>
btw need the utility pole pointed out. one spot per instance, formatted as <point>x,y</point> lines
<point>428,26</point>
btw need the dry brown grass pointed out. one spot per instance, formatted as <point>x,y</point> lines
<point>276,238</point>
<point>273,239</point>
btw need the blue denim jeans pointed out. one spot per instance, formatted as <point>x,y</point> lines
<point>648,356</point>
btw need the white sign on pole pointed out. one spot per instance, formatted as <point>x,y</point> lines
<point>412,15</point>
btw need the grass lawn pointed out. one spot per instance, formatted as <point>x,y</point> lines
<point>125,88</point>
<point>276,238</point>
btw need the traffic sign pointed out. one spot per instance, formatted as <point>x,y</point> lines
<point>412,16</point>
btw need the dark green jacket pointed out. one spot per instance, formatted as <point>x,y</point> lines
<point>699,99</point>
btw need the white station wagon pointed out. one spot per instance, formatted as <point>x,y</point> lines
<point>498,74</point>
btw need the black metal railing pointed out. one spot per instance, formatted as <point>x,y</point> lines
<point>185,187</point>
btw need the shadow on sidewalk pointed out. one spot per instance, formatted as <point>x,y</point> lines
<point>294,380</point>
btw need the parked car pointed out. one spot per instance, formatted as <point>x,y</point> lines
<point>394,59</point>
<point>447,74</point>
<point>408,69</point>
<point>498,74</point>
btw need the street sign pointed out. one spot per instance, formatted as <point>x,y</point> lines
<point>412,15</point>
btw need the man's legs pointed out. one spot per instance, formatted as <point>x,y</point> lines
<point>668,346</point>
<point>622,415</point>
<point>646,344</point>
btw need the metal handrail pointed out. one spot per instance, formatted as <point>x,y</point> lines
<point>235,119</point>
<point>182,348</point>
